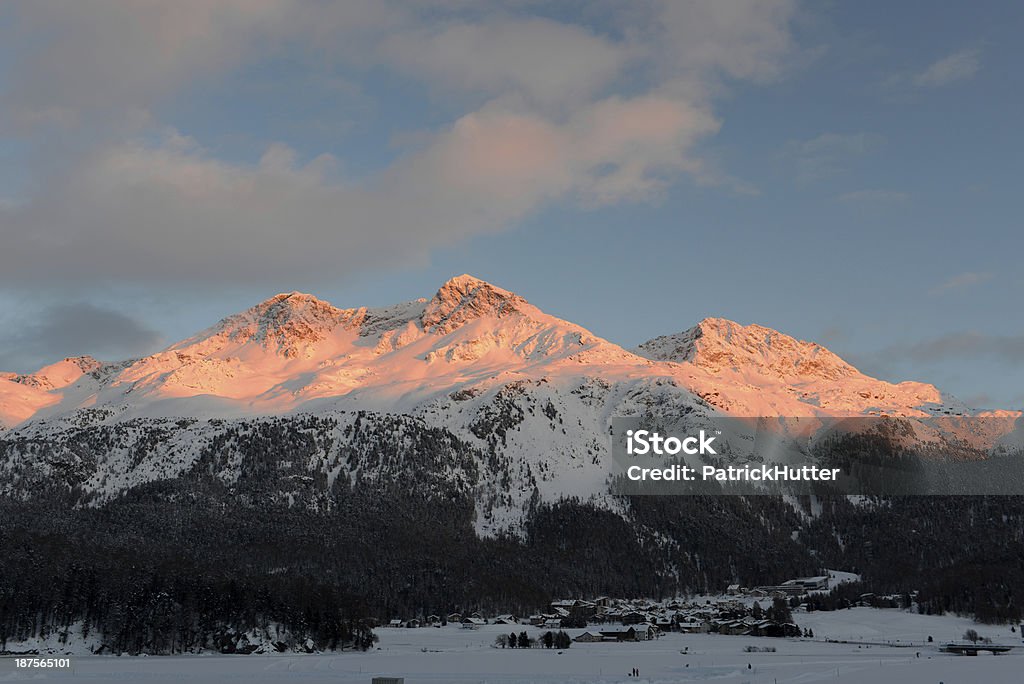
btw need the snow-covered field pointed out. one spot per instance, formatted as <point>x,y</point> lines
<point>452,654</point>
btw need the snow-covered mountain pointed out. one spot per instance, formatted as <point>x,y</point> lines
<point>756,371</point>
<point>533,391</point>
<point>296,352</point>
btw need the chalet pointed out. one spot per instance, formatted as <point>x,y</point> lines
<point>626,634</point>
<point>413,624</point>
<point>506,620</point>
<point>574,608</point>
<point>553,623</point>
<point>695,626</point>
<point>455,617</point>
<point>734,589</point>
<point>760,627</point>
<point>733,627</point>
<point>472,623</point>
<point>433,619</point>
<point>633,618</point>
<point>589,637</point>
<point>612,616</point>
<point>395,623</point>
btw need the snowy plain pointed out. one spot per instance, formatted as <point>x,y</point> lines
<point>452,654</point>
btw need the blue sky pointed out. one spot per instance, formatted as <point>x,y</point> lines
<point>844,172</point>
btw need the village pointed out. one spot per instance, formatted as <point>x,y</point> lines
<point>763,611</point>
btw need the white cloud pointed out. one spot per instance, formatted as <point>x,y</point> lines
<point>959,66</point>
<point>596,113</point>
<point>546,62</point>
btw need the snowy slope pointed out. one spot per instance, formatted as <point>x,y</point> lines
<point>534,391</point>
<point>754,370</point>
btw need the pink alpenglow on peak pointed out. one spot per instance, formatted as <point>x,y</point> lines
<point>294,352</point>
<point>465,298</point>
<point>719,344</point>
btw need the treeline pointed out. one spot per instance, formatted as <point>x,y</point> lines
<point>963,555</point>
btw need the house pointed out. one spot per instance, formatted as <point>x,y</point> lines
<point>734,589</point>
<point>553,623</point>
<point>506,620</point>
<point>695,626</point>
<point>761,628</point>
<point>633,618</point>
<point>433,619</point>
<point>626,634</point>
<point>455,617</point>
<point>395,623</point>
<point>665,623</point>
<point>647,632</point>
<point>733,627</point>
<point>414,623</point>
<point>472,623</point>
<point>589,637</point>
<point>574,608</point>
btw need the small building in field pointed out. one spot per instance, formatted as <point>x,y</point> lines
<point>623,634</point>
<point>589,637</point>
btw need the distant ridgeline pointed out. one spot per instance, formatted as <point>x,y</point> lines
<point>318,524</point>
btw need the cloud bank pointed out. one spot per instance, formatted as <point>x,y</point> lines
<point>607,110</point>
<point>74,329</point>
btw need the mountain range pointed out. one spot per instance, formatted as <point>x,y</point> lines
<point>476,360</point>
<point>295,352</point>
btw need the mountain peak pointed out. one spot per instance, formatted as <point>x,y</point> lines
<point>465,298</point>
<point>717,344</point>
<point>86,363</point>
<point>285,322</point>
